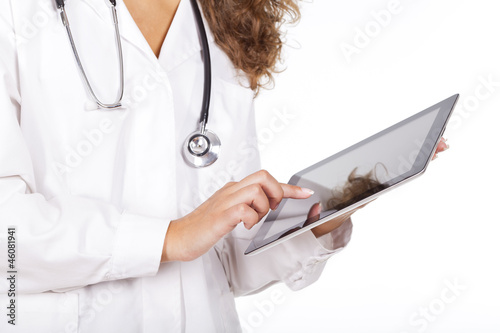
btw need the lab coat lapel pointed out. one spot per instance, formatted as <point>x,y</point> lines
<point>128,28</point>
<point>99,7</point>
<point>182,40</point>
<point>131,32</point>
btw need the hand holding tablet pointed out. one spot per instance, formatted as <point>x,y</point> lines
<point>359,174</point>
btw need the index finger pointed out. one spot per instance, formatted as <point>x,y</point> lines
<point>269,185</point>
<point>274,191</point>
<point>296,192</point>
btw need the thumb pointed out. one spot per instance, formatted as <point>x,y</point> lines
<point>314,211</point>
<point>313,214</point>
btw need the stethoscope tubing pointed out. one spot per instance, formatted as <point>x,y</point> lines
<point>117,103</point>
<point>202,139</point>
<point>207,82</point>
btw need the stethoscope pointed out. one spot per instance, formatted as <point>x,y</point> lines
<point>202,147</point>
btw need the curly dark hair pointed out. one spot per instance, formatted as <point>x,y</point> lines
<point>249,32</point>
<point>357,187</point>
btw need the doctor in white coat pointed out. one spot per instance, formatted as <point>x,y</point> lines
<point>114,232</point>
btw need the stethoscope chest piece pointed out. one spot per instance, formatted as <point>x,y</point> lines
<point>201,149</point>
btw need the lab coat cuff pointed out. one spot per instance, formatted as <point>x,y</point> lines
<point>138,246</point>
<point>337,239</point>
<point>320,250</point>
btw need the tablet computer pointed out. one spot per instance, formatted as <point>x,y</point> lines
<point>357,175</point>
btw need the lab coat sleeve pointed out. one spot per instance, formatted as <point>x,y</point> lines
<point>297,262</point>
<point>64,241</point>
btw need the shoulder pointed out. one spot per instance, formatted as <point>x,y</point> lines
<point>26,19</point>
<point>28,12</point>
<point>6,22</point>
<point>226,70</point>
<point>8,39</point>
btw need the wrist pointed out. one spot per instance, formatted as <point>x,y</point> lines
<point>179,241</point>
<point>164,257</point>
<point>328,227</point>
<point>168,253</point>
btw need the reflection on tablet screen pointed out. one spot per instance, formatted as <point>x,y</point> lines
<point>356,188</point>
<point>353,175</point>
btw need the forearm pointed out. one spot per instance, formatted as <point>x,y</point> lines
<point>331,225</point>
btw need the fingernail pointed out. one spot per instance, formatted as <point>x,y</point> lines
<point>320,206</point>
<point>435,156</point>
<point>446,147</point>
<point>308,191</point>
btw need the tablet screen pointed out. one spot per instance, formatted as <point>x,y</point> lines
<point>358,172</point>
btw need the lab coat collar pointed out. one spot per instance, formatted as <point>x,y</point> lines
<point>131,32</point>
<point>128,28</point>
<point>182,40</point>
<point>101,8</point>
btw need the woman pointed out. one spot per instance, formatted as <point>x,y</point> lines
<point>114,231</point>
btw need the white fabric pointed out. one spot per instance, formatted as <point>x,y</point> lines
<point>92,192</point>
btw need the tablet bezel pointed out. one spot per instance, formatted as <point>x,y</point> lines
<point>435,133</point>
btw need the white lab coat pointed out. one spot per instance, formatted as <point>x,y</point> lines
<point>92,192</point>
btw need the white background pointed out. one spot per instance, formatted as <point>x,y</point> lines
<point>441,229</point>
